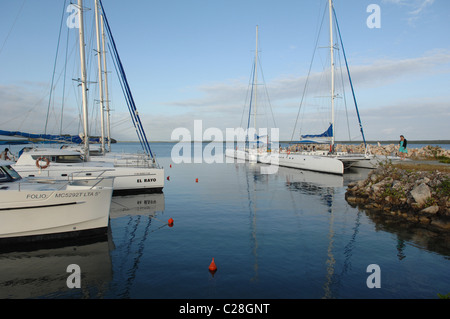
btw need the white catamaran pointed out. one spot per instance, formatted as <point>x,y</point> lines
<point>133,174</point>
<point>254,146</point>
<point>325,161</point>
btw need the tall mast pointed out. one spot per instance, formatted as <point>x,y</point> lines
<point>330,4</point>
<point>100,77</point>
<point>83,80</point>
<point>255,81</point>
<point>106,97</point>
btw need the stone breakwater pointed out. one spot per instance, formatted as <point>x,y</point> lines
<point>421,197</point>
<point>425,152</point>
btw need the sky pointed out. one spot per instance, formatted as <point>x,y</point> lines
<point>189,60</point>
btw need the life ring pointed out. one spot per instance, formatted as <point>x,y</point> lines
<point>289,152</point>
<point>45,159</point>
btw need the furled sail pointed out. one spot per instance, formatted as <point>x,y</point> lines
<point>327,133</point>
<point>75,139</point>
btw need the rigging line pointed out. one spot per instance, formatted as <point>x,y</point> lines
<point>267,94</point>
<point>126,100</point>
<point>250,104</point>
<point>246,97</point>
<point>54,66</point>
<point>145,144</point>
<point>12,27</point>
<point>344,96</point>
<point>309,73</point>
<point>350,79</point>
<point>64,85</point>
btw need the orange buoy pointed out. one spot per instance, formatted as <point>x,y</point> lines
<point>196,180</point>
<point>170,222</point>
<point>212,267</point>
<point>168,178</point>
<point>170,165</point>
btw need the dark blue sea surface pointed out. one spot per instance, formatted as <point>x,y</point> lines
<point>289,235</point>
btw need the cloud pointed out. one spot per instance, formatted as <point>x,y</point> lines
<point>414,7</point>
<point>24,108</point>
<point>417,119</point>
<point>229,97</point>
<point>221,104</point>
<point>384,111</point>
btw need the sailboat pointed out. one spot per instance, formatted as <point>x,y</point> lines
<point>328,160</point>
<point>142,174</point>
<point>39,209</point>
<point>254,145</point>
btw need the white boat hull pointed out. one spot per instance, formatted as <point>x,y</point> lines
<point>373,161</point>
<point>314,163</point>
<point>127,179</point>
<point>242,155</point>
<point>133,173</point>
<point>30,214</point>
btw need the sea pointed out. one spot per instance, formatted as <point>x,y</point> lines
<point>289,235</point>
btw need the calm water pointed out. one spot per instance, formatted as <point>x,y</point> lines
<point>290,235</point>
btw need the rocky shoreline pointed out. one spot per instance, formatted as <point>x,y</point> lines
<point>426,152</point>
<point>416,196</point>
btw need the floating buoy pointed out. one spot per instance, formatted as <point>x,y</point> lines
<point>168,178</point>
<point>212,267</point>
<point>170,222</point>
<point>196,180</point>
<point>170,165</point>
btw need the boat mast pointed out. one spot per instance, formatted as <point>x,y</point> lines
<point>330,4</point>
<point>100,77</point>
<point>83,80</point>
<point>255,81</point>
<point>106,97</point>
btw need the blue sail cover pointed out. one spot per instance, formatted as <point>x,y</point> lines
<point>49,138</point>
<point>327,133</point>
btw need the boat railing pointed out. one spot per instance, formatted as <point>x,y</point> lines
<point>139,161</point>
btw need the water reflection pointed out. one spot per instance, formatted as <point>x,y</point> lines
<point>42,272</point>
<point>415,234</point>
<point>136,214</point>
<point>139,204</point>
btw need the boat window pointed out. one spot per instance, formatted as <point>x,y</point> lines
<point>3,176</point>
<point>69,159</point>
<point>11,172</point>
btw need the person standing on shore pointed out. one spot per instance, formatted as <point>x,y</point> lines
<point>402,149</point>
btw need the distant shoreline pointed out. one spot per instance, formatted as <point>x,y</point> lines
<point>337,142</point>
<point>3,141</point>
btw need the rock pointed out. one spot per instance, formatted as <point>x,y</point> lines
<point>421,193</point>
<point>430,210</point>
<point>441,224</point>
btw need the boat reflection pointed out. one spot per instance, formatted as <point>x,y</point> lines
<point>135,215</point>
<point>42,271</point>
<point>138,204</point>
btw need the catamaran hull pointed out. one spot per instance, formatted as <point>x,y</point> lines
<point>128,180</point>
<point>373,161</point>
<point>314,163</point>
<point>30,215</point>
<point>248,156</point>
